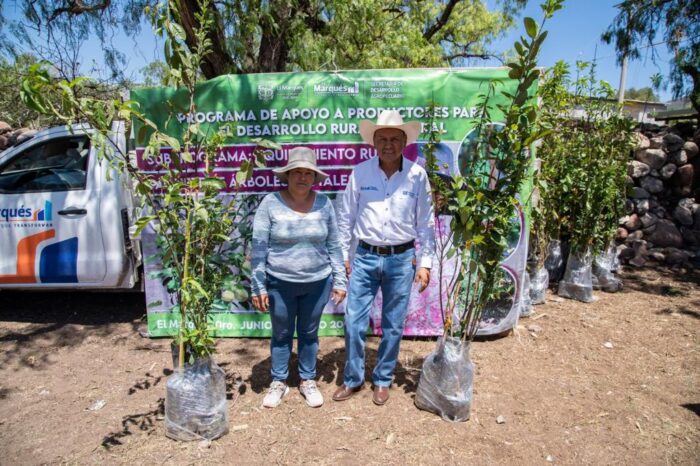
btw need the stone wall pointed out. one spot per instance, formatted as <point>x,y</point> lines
<point>662,225</point>
<point>9,137</point>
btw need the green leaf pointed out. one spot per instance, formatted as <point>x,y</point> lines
<point>142,222</point>
<point>186,157</point>
<point>216,184</point>
<point>265,143</point>
<point>195,284</point>
<point>202,214</point>
<point>530,27</point>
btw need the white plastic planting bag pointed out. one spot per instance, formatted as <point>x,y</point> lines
<point>446,382</point>
<point>578,283</point>
<point>195,402</point>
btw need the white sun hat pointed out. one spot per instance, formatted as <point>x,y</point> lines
<point>300,157</point>
<point>389,119</point>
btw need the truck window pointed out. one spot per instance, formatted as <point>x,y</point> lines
<point>56,165</point>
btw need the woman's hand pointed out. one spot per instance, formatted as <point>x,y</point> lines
<point>261,303</point>
<point>337,296</point>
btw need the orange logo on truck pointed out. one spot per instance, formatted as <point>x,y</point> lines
<point>26,258</point>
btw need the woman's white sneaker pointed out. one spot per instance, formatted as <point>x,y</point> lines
<point>310,392</point>
<point>275,393</point>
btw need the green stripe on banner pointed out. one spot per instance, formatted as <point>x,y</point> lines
<point>166,324</point>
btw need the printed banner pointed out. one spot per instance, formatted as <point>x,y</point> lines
<point>322,110</point>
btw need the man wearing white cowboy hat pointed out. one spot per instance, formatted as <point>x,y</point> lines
<point>386,207</point>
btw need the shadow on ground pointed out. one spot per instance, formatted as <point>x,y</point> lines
<point>61,319</point>
<point>660,281</point>
<point>329,370</point>
<point>144,422</point>
<point>148,421</point>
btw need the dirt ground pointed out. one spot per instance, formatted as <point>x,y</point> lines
<point>612,382</point>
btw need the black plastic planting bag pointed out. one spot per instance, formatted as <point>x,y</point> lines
<point>195,402</point>
<point>446,382</point>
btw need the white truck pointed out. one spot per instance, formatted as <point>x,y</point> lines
<point>65,214</point>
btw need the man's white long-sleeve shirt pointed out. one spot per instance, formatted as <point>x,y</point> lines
<point>385,211</point>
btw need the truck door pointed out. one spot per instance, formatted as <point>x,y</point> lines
<point>50,232</point>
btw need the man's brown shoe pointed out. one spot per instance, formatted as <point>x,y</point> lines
<point>381,394</point>
<point>344,392</point>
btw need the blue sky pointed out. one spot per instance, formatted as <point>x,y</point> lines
<point>574,34</point>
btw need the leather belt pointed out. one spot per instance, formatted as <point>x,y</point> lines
<point>387,250</point>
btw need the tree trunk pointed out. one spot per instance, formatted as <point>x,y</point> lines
<point>218,61</point>
<point>274,46</point>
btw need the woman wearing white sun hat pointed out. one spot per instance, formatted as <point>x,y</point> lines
<point>297,264</point>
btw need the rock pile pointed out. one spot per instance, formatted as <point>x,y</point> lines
<point>10,137</point>
<point>662,224</point>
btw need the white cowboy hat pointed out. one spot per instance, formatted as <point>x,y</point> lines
<point>389,119</point>
<point>300,157</point>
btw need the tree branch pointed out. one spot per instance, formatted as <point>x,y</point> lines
<point>441,21</point>
<point>483,56</point>
<point>77,7</point>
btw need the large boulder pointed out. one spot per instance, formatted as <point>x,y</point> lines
<point>668,170</point>
<point>641,141</point>
<point>634,236</point>
<point>655,158</point>
<point>659,211</point>
<point>26,135</point>
<point>641,206</point>
<point>688,203</point>
<point>651,184</point>
<point>640,253</point>
<point>625,252</point>
<point>691,149</point>
<point>691,236</point>
<point>683,215</point>
<point>5,127</point>
<point>683,180</point>
<point>16,134</point>
<point>678,157</point>
<point>648,220</point>
<point>676,256</point>
<point>637,169</point>
<point>673,142</point>
<point>633,223</point>
<point>656,255</point>
<point>621,234</point>
<point>639,193</point>
<point>666,235</point>
<point>656,142</point>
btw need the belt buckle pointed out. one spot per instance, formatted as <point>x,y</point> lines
<point>383,250</point>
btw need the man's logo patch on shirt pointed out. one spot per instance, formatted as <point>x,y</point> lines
<point>369,188</point>
<point>409,193</point>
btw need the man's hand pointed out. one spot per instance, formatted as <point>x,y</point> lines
<point>338,296</point>
<point>261,303</point>
<point>423,277</point>
<point>348,269</point>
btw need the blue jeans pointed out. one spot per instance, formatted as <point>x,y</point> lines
<point>394,274</point>
<point>296,306</point>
